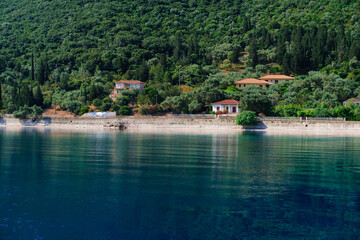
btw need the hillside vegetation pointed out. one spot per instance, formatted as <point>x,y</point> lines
<point>86,45</point>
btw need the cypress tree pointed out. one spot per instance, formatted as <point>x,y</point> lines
<point>341,44</point>
<point>297,58</point>
<point>253,55</point>
<point>42,71</point>
<point>286,64</point>
<point>15,97</point>
<point>26,96</point>
<point>1,105</point>
<point>281,48</point>
<point>355,49</point>
<point>38,96</point>
<point>32,67</point>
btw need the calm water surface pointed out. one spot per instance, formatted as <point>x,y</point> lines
<point>153,186</point>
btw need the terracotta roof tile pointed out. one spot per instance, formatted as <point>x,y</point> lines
<point>353,100</point>
<point>252,81</point>
<point>227,101</point>
<point>276,77</point>
<point>129,81</point>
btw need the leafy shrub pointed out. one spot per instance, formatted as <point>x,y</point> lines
<point>149,109</point>
<point>105,107</point>
<point>123,100</point>
<point>36,111</point>
<point>73,106</point>
<point>321,112</point>
<point>83,110</point>
<point>124,110</point>
<point>24,111</point>
<point>97,102</point>
<point>290,110</point>
<point>246,118</point>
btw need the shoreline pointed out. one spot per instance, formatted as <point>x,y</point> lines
<point>184,125</point>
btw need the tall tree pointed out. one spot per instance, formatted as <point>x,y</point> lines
<point>1,103</point>
<point>253,54</point>
<point>26,96</point>
<point>32,67</point>
<point>42,70</point>
<point>38,96</point>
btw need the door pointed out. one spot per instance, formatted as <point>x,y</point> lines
<point>234,110</point>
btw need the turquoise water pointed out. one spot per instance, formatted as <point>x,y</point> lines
<point>153,186</point>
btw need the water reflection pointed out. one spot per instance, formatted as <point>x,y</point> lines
<point>151,186</point>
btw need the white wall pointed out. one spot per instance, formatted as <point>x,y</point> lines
<point>225,107</point>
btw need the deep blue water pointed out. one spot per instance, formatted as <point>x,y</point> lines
<point>153,186</point>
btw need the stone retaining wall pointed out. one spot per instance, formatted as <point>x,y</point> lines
<point>215,123</point>
<point>130,122</point>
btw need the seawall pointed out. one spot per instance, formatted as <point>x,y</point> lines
<point>128,122</point>
<point>202,122</point>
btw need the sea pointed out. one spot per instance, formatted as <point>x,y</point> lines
<point>137,185</point>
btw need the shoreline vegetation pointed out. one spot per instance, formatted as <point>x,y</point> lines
<point>129,57</point>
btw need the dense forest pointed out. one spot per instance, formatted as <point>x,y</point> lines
<point>71,52</point>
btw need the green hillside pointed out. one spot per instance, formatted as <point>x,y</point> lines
<point>86,45</point>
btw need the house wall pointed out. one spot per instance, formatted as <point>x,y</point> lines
<point>347,103</point>
<point>222,108</point>
<point>276,81</point>
<point>242,86</point>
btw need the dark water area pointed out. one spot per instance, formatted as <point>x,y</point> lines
<point>162,186</point>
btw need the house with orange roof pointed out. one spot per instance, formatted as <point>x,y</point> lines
<point>276,78</point>
<point>229,105</point>
<point>352,100</point>
<point>251,81</point>
<point>126,84</point>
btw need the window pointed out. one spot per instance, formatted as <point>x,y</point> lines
<point>276,81</point>
<point>217,108</point>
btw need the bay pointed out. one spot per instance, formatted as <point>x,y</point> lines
<point>118,185</point>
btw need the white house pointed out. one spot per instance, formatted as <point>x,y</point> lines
<point>229,105</point>
<point>352,100</point>
<point>276,78</point>
<point>251,81</point>
<point>126,84</point>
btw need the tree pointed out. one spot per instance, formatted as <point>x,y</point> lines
<point>124,110</point>
<point>32,67</point>
<point>246,118</point>
<point>36,111</point>
<point>42,70</point>
<point>26,96</point>
<point>122,101</point>
<point>195,107</point>
<point>23,112</point>
<point>148,96</point>
<point>1,103</point>
<point>253,54</point>
<point>132,94</point>
<point>254,98</point>
<point>38,96</point>
<point>176,104</point>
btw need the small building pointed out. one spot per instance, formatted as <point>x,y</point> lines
<point>229,105</point>
<point>352,100</point>
<point>251,81</point>
<point>276,78</point>
<point>126,84</point>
